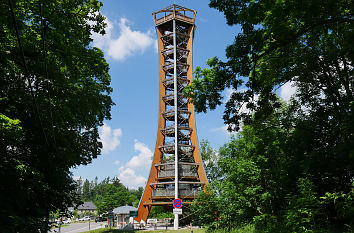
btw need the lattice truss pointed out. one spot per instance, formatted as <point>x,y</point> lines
<point>185,149</point>
<point>175,30</point>
<point>189,184</point>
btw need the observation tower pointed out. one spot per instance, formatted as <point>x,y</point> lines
<point>176,143</point>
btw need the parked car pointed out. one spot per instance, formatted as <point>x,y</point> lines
<point>152,221</point>
<point>86,218</point>
<point>67,221</point>
<point>100,219</point>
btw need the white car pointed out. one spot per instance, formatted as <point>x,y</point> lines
<point>152,221</point>
<point>67,221</point>
<point>86,218</point>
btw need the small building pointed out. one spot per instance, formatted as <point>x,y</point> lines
<point>87,207</point>
<point>122,214</point>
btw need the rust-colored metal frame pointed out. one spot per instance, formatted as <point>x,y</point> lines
<point>171,12</point>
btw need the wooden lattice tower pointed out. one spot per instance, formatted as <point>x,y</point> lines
<point>176,124</point>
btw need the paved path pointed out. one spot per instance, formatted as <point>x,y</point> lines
<point>79,227</point>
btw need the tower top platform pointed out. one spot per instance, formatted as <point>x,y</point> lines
<point>174,12</point>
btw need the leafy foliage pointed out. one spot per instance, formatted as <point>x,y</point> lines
<point>307,43</point>
<point>269,182</point>
<point>290,169</point>
<point>160,212</point>
<point>54,94</point>
<point>109,193</point>
<point>210,160</point>
<point>303,207</point>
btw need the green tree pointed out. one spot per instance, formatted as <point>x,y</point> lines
<point>160,212</point>
<point>267,181</point>
<point>86,191</point>
<point>254,178</point>
<point>304,207</point>
<point>210,160</point>
<point>54,94</point>
<point>114,196</point>
<point>109,193</point>
<point>137,193</point>
<point>79,184</point>
<point>206,208</point>
<point>306,44</point>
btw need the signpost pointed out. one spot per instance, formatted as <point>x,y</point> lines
<point>177,203</point>
<point>177,211</point>
<point>60,222</point>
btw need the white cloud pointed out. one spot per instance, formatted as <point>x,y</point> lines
<point>117,162</point>
<point>110,138</point>
<point>128,43</point>
<point>99,40</point>
<point>224,130</point>
<point>288,90</point>
<point>129,178</point>
<point>139,163</point>
<point>156,46</point>
<point>143,159</point>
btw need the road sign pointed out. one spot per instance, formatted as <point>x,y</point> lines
<point>177,203</point>
<point>52,218</point>
<point>177,211</point>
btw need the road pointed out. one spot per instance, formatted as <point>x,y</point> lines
<point>79,227</point>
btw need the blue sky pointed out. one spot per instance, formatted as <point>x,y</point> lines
<point>130,47</point>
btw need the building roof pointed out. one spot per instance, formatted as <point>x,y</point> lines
<point>87,206</point>
<point>124,209</point>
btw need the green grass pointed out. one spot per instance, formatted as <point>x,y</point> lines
<point>245,229</point>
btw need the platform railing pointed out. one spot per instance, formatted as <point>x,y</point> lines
<point>171,192</point>
<point>182,173</point>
